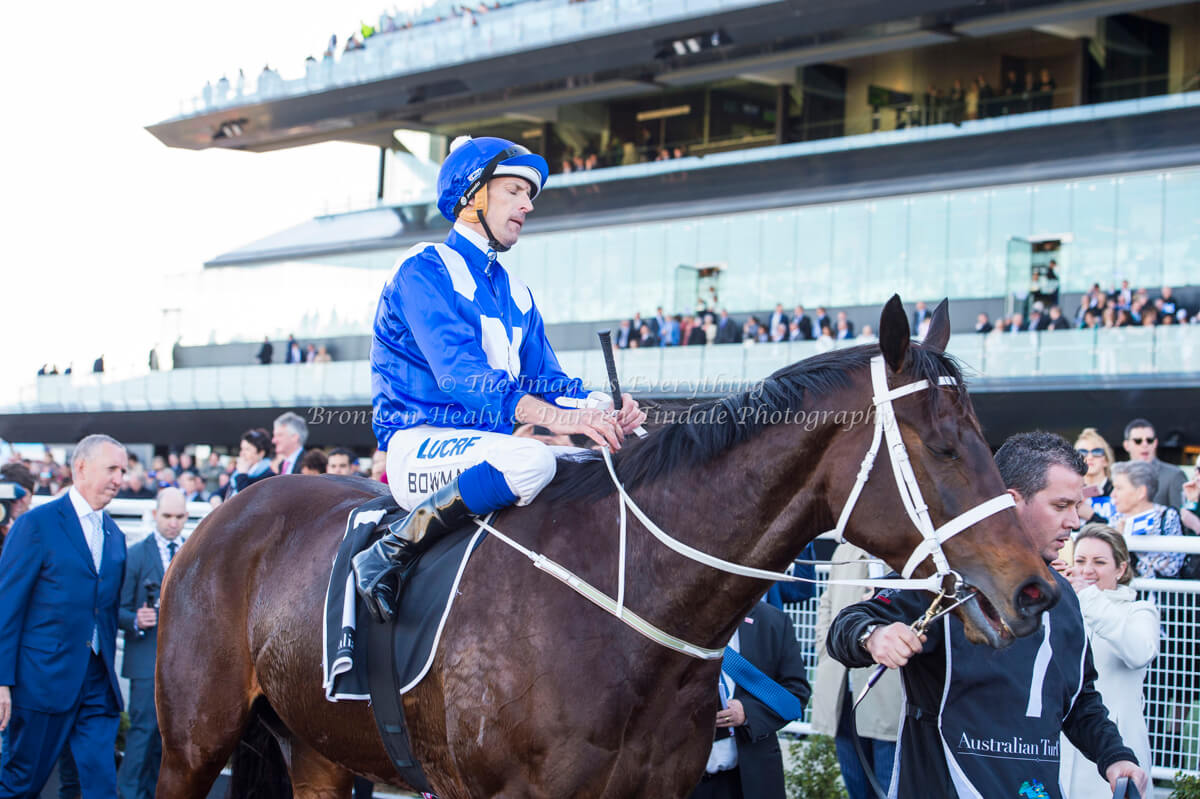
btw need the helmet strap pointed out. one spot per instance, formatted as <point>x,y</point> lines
<point>492,242</point>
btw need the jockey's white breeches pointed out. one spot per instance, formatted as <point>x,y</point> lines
<point>420,460</point>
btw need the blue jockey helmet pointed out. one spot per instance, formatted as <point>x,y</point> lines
<point>473,162</point>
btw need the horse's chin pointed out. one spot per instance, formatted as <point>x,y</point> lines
<point>982,624</point>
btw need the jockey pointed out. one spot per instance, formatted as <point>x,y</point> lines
<point>460,356</point>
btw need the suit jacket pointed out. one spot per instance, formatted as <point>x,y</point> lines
<point>728,331</point>
<point>50,599</point>
<point>144,563</point>
<point>265,352</point>
<point>768,640</point>
<point>293,354</point>
<point>920,316</point>
<point>1170,485</point>
<point>296,463</point>
<point>806,327</point>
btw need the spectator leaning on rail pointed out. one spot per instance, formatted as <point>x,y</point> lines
<point>459,356</point>
<point>986,723</point>
<point>1123,633</point>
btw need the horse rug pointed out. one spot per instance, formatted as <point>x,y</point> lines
<point>424,607</point>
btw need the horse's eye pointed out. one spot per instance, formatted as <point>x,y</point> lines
<point>943,452</point>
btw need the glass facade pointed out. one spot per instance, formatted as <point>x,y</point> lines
<point>1141,227</point>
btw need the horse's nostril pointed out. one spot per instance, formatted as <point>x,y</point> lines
<point>1032,598</point>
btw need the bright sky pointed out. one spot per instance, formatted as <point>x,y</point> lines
<point>96,211</point>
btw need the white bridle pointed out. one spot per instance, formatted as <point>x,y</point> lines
<point>887,428</point>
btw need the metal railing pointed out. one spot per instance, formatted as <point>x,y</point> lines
<point>674,371</point>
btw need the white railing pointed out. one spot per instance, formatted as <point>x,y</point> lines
<point>675,371</point>
<point>134,517</point>
<point>522,27</point>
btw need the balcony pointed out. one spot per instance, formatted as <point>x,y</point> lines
<point>995,362</point>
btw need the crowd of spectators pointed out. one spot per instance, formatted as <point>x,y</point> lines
<point>1121,307</point>
<point>620,153</point>
<point>1018,94</point>
<point>293,352</point>
<point>713,325</point>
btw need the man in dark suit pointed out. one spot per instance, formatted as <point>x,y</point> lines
<point>294,354</point>
<point>144,570</point>
<point>803,323</point>
<point>60,579</point>
<point>745,759</point>
<point>265,352</point>
<point>289,436</point>
<point>728,331</point>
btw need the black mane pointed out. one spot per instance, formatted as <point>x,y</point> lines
<point>708,429</point>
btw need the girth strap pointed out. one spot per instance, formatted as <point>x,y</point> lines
<point>387,705</point>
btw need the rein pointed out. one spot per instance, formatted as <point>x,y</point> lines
<point>945,582</point>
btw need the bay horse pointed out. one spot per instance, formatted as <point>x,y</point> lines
<point>534,692</point>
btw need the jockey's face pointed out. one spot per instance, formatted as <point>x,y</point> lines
<point>508,203</point>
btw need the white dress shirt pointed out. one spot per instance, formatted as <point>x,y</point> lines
<point>724,751</point>
<point>164,553</point>
<point>92,522</point>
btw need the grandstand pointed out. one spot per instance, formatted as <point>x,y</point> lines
<point>761,152</point>
<point>744,153</point>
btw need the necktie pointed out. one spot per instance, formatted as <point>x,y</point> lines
<point>171,547</point>
<point>96,544</point>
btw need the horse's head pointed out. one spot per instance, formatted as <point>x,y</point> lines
<point>953,466</point>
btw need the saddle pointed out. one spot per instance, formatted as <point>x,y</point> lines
<point>384,661</point>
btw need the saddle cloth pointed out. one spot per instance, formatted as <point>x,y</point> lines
<point>424,606</point>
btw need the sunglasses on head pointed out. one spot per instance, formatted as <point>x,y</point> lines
<point>1146,440</point>
<point>1097,451</point>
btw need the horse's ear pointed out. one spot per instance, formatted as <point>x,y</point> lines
<point>894,334</point>
<point>938,334</point>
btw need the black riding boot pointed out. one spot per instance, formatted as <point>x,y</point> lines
<point>378,570</point>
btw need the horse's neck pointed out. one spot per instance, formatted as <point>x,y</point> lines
<point>740,515</point>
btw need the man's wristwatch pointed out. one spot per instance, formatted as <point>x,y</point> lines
<point>865,634</point>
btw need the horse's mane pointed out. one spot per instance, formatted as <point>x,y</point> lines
<point>708,429</point>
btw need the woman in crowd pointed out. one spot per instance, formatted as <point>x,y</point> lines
<point>1169,692</point>
<point>254,459</point>
<point>1097,483</point>
<point>1133,484</point>
<point>1123,633</point>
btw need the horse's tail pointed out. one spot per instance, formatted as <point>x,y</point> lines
<point>258,768</point>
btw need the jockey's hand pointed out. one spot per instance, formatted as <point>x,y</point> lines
<point>894,644</point>
<point>630,417</point>
<point>599,425</point>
